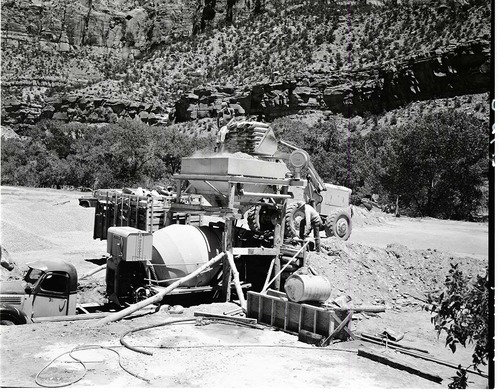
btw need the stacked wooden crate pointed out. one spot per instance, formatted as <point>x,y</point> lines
<point>148,213</point>
<point>115,208</point>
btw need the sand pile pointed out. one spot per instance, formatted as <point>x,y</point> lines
<point>362,217</point>
<point>394,275</point>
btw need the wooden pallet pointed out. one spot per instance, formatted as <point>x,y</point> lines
<point>293,317</point>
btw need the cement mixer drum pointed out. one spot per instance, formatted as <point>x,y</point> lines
<point>179,250</point>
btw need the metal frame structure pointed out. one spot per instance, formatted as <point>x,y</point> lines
<point>236,200</point>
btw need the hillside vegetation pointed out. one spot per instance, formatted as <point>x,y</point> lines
<point>437,165</point>
<point>297,38</point>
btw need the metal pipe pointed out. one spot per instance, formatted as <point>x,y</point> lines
<point>286,265</point>
<point>271,195</point>
<point>215,189</point>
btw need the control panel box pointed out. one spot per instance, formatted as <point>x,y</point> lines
<point>130,244</point>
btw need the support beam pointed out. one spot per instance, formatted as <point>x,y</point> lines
<point>277,260</point>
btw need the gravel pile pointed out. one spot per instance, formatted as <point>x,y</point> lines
<point>394,276</point>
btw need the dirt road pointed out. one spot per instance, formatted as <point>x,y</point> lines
<point>461,238</point>
<point>45,223</point>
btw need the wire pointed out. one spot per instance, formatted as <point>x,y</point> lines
<point>82,363</point>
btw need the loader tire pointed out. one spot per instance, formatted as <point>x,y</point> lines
<point>253,219</point>
<point>261,219</point>
<point>338,224</point>
<point>292,221</point>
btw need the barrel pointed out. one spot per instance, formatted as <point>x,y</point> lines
<point>302,288</point>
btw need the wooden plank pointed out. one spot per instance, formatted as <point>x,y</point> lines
<point>293,316</point>
<point>280,314</point>
<point>259,317</point>
<point>347,328</point>
<point>338,329</point>
<point>233,179</point>
<point>311,338</point>
<point>137,211</point>
<point>252,306</point>
<point>308,319</point>
<point>300,318</point>
<point>397,363</point>
<point>255,251</point>
<point>266,310</point>
<point>115,210</point>
<point>277,294</point>
<point>223,317</point>
<point>268,276</point>
<point>278,237</point>
<point>202,209</point>
<point>362,308</point>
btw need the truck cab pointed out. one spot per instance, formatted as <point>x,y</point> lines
<point>48,289</point>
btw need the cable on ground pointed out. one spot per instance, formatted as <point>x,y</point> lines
<point>219,321</point>
<point>82,363</point>
<point>256,345</point>
<point>199,320</point>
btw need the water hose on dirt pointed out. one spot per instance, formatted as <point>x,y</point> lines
<point>125,344</point>
<point>139,350</point>
<point>81,348</point>
<point>213,318</point>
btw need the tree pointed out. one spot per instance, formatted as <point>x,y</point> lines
<point>462,312</point>
<point>438,164</point>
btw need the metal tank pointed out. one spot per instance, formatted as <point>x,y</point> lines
<point>179,250</point>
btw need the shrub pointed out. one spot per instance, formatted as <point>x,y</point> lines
<point>462,312</point>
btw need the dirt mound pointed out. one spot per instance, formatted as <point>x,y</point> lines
<point>394,276</point>
<point>362,217</point>
<point>92,290</point>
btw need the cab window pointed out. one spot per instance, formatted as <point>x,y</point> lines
<point>55,283</point>
<point>33,275</point>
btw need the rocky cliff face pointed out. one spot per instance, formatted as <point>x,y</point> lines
<point>126,25</point>
<point>464,70</point>
<point>61,45</point>
<point>93,60</point>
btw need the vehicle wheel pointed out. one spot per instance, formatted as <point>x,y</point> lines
<point>253,219</point>
<point>261,219</point>
<point>339,225</point>
<point>293,217</point>
<point>7,322</point>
